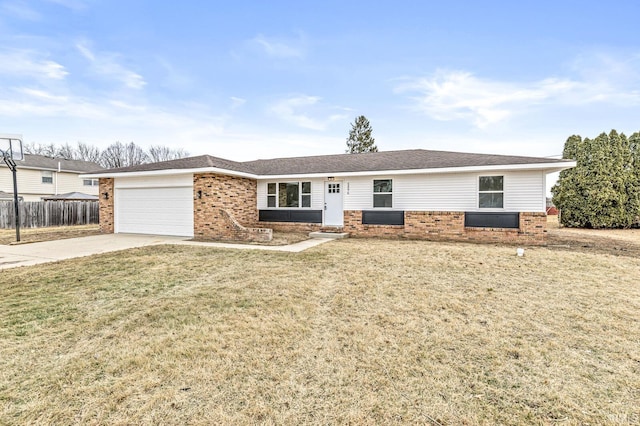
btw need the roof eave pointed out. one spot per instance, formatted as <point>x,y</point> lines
<point>547,167</point>
<point>168,172</point>
<point>49,169</point>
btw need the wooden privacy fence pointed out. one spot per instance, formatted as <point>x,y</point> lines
<point>37,214</point>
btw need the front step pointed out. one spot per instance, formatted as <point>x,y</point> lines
<point>330,235</point>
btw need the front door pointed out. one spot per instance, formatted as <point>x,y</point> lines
<point>333,214</point>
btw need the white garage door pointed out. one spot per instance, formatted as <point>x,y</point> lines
<point>159,211</point>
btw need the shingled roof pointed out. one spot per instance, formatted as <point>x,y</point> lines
<point>42,162</point>
<point>414,159</point>
<point>199,162</point>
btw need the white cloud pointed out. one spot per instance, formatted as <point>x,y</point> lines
<point>280,48</point>
<point>42,95</point>
<point>107,64</point>
<point>27,63</point>
<point>20,10</point>
<point>297,109</point>
<point>460,95</point>
<point>237,102</point>
<point>74,5</point>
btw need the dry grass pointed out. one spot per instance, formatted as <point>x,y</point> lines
<point>279,239</point>
<point>32,235</point>
<point>618,242</point>
<point>355,331</point>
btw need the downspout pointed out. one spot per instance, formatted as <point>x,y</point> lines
<point>57,178</point>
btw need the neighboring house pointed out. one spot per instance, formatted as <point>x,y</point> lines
<point>420,194</point>
<point>552,210</point>
<point>40,176</point>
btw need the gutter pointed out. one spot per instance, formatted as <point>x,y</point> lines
<point>547,167</point>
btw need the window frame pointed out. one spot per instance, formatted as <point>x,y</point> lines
<point>92,182</point>
<point>48,175</point>
<point>302,196</point>
<point>374,193</point>
<point>479,192</point>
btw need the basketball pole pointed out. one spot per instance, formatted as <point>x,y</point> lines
<point>16,202</point>
<point>7,156</point>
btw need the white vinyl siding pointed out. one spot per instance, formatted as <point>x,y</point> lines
<point>154,205</point>
<point>446,192</point>
<point>70,182</point>
<point>523,191</point>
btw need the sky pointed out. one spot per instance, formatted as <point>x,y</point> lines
<point>245,80</point>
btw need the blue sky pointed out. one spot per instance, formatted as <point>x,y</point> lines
<point>245,80</point>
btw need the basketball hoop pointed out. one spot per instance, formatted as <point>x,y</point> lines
<point>11,147</point>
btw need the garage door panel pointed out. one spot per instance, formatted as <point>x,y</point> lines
<point>160,211</point>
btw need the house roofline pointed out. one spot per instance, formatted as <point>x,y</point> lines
<point>49,169</point>
<point>547,167</point>
<point>167,172</point>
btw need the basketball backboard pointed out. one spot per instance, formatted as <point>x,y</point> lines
<point>11,145</point>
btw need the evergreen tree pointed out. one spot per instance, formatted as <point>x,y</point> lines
<point>603,190</point>
<point>633,184</point>
<point>360,139</point>
<point>570,197</point>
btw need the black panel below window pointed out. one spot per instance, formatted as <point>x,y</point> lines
<point>373,217</point>
<point>296,216</point>
<point>492,220</point>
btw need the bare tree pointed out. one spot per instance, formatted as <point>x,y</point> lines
<point>121,155</point>
<point>115,155</point>
<point>66,151</point>
<point>87,152</point>
<point>164,153</point>
<point>49,150</point>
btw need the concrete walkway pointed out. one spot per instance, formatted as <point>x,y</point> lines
<point>51,251</point>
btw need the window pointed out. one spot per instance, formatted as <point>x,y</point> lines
<point>47,177</point>
<point>491,192</point>
<point>382,193</point>
<point>271,195</point>
<point>289,194</point>
<point>306,194</point>
<point>90,182</point>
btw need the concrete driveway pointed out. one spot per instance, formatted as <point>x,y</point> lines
<point>50,251</point>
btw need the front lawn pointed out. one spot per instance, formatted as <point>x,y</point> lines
<point>33,235</point>
<point>352,331</point>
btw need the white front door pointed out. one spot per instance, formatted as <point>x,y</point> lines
<point>333,214</point>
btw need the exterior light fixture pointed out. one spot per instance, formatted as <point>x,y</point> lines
<point>105,195</point>
<point>199,194</point>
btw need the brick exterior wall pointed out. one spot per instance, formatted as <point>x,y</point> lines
<point>449,226</point>
<point>106,205</point>
<point>225,208</point>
